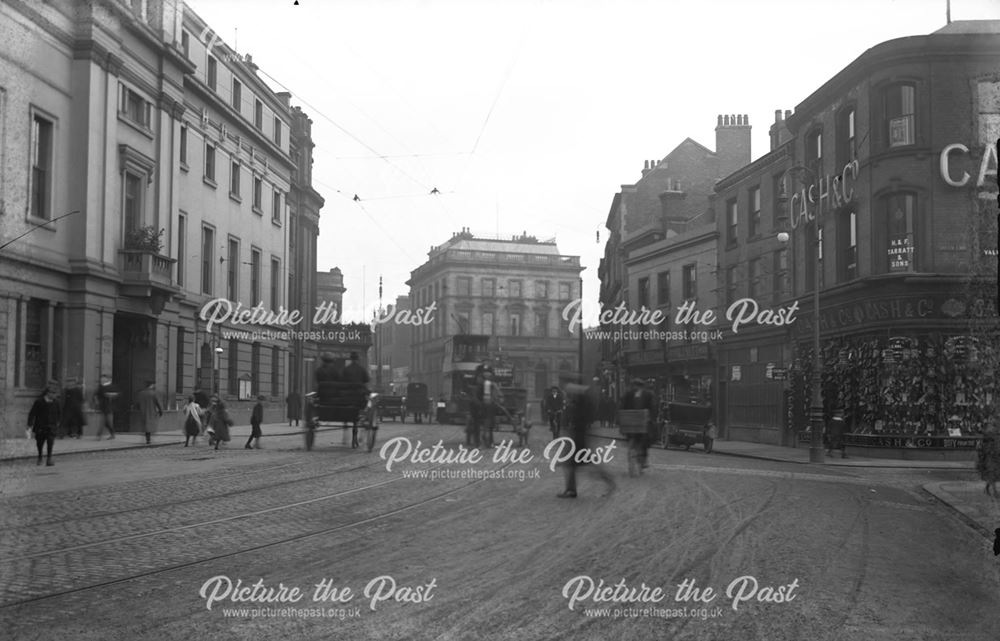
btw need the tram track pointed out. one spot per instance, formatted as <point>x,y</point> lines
<point>294,538</point>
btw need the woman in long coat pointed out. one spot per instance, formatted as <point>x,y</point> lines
<point>218,422</point>
<point>149,410</point>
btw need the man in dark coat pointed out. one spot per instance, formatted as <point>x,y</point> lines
<point>354,372</point>
<point>73,408</point>
<point>581,415</point>
<point>640,398</point>
<point>44,419</point>
<point>553,405</point>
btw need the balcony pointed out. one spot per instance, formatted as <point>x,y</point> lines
<point>147,274</point>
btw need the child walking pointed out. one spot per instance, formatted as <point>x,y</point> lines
<point>256,418</point>
<point>192,421</point>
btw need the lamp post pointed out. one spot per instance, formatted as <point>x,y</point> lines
<point>816,404</point>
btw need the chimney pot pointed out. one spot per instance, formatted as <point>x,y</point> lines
<point>720,121</point>
<point>788,112</point>
<point>746,119</point>
<point>777,116</point>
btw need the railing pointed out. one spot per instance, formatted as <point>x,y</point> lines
<point>147,266</point>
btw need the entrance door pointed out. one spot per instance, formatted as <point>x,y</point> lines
<point>133,363</point>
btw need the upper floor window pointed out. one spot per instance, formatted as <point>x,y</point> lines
<point>690,275</point>
<point>754,219</point>
<point>463,286</point>
<point>515,289</point>
<point>41,167</point>
<point>258,188</point>
<point>541,324</point>
<point>900,106</point>
<point>277,131</point>
<point>541,289</point>
<point>132,201</point>
<point>732,221</point>
<point>186,44</point>
<point>234,179</point>
<point>134,107</point>
<point>275,283</point>
<point>237,94</point>
<point>258,114</point>
<point>515,324</point>
<point>184,145</point>
<point>210,161</point>
<point>643,292</point>
<point>730,285</point>
<point>565,291</point>
<point>814,152</point>
<point>846,137</point>
<point>207,259</point>
<point>276,207</point>
<point>489,287</point>
<point>233,270</point>
<point>848,244</point>
<point>255,276</point>
<point>781,285</point>
<point>663,289</point>
<point>212,73</point>
<point>756,272</point>
<point>900,217</point>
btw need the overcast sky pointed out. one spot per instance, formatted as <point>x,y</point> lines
<point>529,115</point>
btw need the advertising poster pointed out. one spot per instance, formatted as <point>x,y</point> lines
<point>527,320</point>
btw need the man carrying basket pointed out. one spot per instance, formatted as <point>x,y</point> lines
<point>640,398</point>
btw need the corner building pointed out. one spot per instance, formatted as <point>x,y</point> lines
<point>891,211</point>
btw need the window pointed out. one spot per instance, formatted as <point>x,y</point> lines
<point>237,94</point>
<point>846,147</point>
<point>234,179</point>
<point>276,206</point>
<point>515,289</point>
<point>179,361</point>
<point>232,270</point>
<point>255,276</point>
<point>754,290</point>
<point>277,131</point>
<point>463,286</point>
<point>134,107</point>
<point>258,114</point>
<point>663,289</point>
<point>814,152</point>
<point>489,287</point>
<point>900,211</point>
<point>730,285</point>
<point>181,249</point>
<point>754,219</point>
<point>541,289</point>
<point>565,291</point>
<point>275,283</point>
<point>183,146</point>
<point>643,292</point>
<point>212,74</point>
<point>780,220</point>
<point>186,48</point>
<point>541,324</point>
<point>848,226</point>
<point>233,366</point>
<point>275,370</point>
<point>899,120</point>
<point>488,324</point>
<point>207,258</point>
<point>41,167</point>
<point>690,276</point>
<point>515,324</point>
<point>210,162</point>
<point>258,189</point>
<point>254,369</point>
<point>35,332</point>
<point>781,285</point>
<point>814,256</point>
<point>463,323</point>
<point>732,220</point>
<point>132,202</point>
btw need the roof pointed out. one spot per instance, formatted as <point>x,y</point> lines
<point>971,26</point>
<point>477,244</point>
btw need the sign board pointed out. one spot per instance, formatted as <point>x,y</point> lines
<point>736,373</point>
<point>779,373</point>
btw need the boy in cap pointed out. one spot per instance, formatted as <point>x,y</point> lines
<point>43,419</point>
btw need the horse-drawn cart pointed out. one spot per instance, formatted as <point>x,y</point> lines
<point>686,424</point>
<point>347,403</point>
<point>391,407</point>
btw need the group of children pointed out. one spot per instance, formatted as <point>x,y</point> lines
<point>208,416</point>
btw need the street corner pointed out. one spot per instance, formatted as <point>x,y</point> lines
<point>970,501</point>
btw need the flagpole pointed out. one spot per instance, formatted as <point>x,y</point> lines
<point>948,14</point>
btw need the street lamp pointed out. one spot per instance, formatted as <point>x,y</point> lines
<point>816,405</point>
<point>215,369</point>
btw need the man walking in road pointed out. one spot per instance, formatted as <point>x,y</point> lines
<point>149,410</point>
<point>104,400</point>
<point>43,419</point>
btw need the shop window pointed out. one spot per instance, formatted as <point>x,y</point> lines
<point>899,102</point>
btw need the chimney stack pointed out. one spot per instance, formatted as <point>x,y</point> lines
<point>778,132</point>
<point>732,143</point>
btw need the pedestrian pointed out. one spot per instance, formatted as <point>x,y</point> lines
<point>294,402</point>
<point>491,398</point>
<point>988,458</point>
<point>835,434</point>
<point>594,391</point>
<point>640,398</point>
<point>104,401</point>
<point>73,419</point>
<point>201,398</point>
<point>44,419</point>
<point>354,372</point>
<point>192,420</point>
<point>150,410</point>
<point>256,418</point>
<point>553,406</point>
<point>218,422</point>
<point>581,415</point>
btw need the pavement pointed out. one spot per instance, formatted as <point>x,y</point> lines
<point>965,497</point>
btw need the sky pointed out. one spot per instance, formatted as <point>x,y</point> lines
<point>529,115</point>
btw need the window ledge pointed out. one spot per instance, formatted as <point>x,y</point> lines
<point>184,167</point>
<point>142,129</point>
<point>210,182</point>
<point>235,197</point>
<point>257,210</point>
<point>41,223</point>
<point>276,222</point>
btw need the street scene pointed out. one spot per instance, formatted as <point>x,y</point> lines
<point>528,320</point>
<point>836,552</point>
